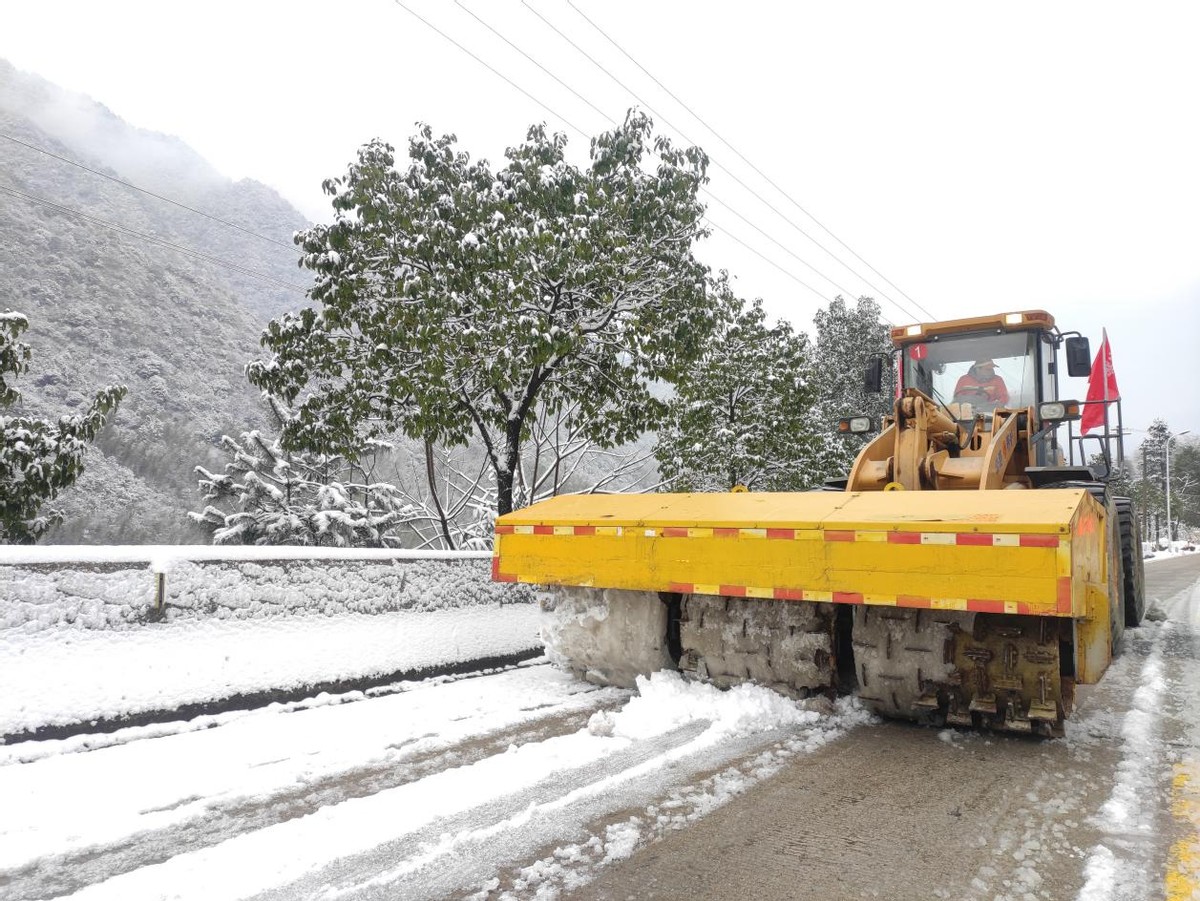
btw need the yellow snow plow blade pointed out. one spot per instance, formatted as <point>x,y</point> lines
<point>1019,551</point>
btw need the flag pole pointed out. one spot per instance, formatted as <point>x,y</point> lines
<point>1106,362</point>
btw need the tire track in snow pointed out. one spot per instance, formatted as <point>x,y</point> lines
<point>75,819</point>
<point>223,820</point>
<point>421,834</point>
<point>450,853</point>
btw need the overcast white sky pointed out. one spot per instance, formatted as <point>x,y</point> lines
<point>1028,155</point>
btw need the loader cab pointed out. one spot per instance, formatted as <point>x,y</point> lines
<point>942,360</point>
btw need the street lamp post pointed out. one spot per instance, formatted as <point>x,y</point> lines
<point>1167,451</point>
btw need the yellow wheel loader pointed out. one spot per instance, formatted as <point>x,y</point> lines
<point>964,571</point>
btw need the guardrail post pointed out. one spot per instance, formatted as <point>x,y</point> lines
<point>160,593</point>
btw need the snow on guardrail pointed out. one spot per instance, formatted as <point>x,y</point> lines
<point>121,587</point>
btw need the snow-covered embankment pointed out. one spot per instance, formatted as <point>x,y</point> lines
<point>83,636</point>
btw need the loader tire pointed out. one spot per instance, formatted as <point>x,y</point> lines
<point>903,656</point>
<point>1132,563</point>
<point>784,645</point>
<point>1116,581</point>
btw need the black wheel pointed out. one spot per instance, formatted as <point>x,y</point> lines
<point>1116,579</point>
<point>1131,558</point>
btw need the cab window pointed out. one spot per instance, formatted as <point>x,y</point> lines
<point>953,370</point>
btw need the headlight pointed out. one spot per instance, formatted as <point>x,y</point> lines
<point>1059,411</point>
<point>854,425</point>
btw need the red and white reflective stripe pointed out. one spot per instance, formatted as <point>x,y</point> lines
<point>976,605</point>
<point>960,539</point>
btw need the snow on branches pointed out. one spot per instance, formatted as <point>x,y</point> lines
<point>847,335</point>
<point>742,415</point>
<point>38,457</point>
<point>455,300</point>
<point>280,497</point>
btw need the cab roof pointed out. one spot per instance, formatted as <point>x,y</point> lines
<point>1023,320</point>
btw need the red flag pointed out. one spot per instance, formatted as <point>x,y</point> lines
<point>1102,386</point>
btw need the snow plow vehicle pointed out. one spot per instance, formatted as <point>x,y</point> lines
<point>963,572</point>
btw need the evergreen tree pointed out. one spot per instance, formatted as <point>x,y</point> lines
<point>38,457</point>
<point>269,495</point>
<point>454,299</point>
<point>847,336</point>
<point>1149,490</point>
<point>742,414</point>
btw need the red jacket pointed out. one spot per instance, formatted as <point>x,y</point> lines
<point>993,388</point>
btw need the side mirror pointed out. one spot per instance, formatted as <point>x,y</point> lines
<point>873,382</point>
<point>1079,357</point>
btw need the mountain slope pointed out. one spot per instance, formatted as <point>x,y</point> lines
<point>105,306</point>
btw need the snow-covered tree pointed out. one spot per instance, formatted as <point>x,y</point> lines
<point>1185,482</point>
<point>456,300</point>
<point>1150,489</point>
<point>742,415</point>
<point>38,457</point>
<point>456,486</point>
<point>846,338</point>
<point>269,495</point>
<point>561,459</point>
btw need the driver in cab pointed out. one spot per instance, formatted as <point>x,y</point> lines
<point>982,386</point>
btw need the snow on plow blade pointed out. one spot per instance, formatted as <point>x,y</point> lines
<point>1016,552</point>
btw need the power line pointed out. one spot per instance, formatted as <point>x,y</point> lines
<point>706,191</point>
<point>742,156</point>
<point>780,245</point>
<point>146,191</point>
<point>491,68</point>
<point>765,258</point>
<point>465,9</point>
<point>152,239</point>
<point>755,168</point>
<point>718,165</point>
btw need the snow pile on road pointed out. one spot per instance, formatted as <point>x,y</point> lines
<point>61,676</point>
<point>666,700</point>
<point>113,588</point>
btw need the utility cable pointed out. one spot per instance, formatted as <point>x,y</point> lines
<point>152,239</point>
<point>491,68</point>
<point>742,156</point>
<point>765,258</point>
<point>708,192</point>
<point>748,162</point>
<point>146,191</point>
<point>780,245</point>
<point>716,164</point>
<point>470,13</point>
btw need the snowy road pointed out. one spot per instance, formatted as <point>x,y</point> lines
<point>890,811</point>
<point>527,784</point>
